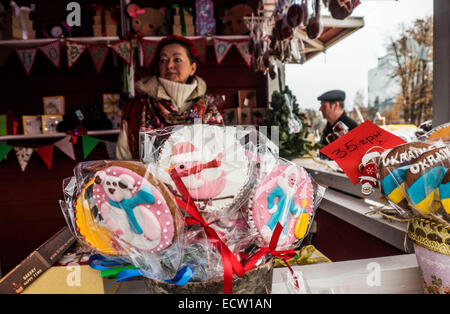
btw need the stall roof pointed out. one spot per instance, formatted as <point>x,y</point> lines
<point>333,32</point>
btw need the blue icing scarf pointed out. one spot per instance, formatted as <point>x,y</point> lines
<point>144,196</point>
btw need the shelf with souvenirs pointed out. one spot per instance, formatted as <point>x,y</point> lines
<point>79,67</point>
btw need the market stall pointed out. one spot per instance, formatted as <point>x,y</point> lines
<point>169,232</point>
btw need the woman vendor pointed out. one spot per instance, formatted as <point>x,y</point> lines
<point>175,96</point>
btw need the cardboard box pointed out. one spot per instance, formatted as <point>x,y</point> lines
<point>190,30</point>
<point>71,274</point>
<point>188,19</point>
<point>72,279</point>
<point>110,29</point>
<point>19,278</point>
<point>3,127</point>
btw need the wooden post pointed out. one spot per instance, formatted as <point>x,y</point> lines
<point>441,62</point>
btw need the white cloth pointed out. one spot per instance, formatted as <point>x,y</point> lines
<point>179,92</point>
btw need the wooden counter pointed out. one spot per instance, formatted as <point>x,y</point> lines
<point>394,274</point>
<point>346,227</point>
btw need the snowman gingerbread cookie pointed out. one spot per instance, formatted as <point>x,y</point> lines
<point>284,196</point>
<point>210,161</point>
<point>136,207</point>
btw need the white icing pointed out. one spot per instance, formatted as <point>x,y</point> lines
<point>207,143</point>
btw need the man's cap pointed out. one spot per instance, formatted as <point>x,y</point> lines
<point>332,95</point>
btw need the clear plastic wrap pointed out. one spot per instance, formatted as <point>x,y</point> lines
<point>414,178</point>
<point>202,197</point>
<point>226,171</point>
<point>285,194</point>
<point>217,166</point>
<point>119,209</point>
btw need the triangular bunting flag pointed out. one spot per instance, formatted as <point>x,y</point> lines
<point>4,54</point>
<point>23,156</point>
<point>148,48</point>
<point>74,52</point>
<point>66,146</point>
<point>27,56</point>
<point>46,153</point>
<point>221,48</point>
<point>89,144</point>
<point>242,47</point>
<point>4,150</point>
<point>111,149</point>
<point>200,43</point>
<point>98,54</point>
<point>52,51</point>
<point>124,50</point>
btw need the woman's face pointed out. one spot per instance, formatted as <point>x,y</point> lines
<point>174,64</point>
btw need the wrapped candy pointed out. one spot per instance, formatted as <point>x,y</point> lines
<point>241,189</point>
<point>215,200</point>
<point>414,178</point>
<point>217,168</point>
<point>118,208</point>
<point>285,195</point>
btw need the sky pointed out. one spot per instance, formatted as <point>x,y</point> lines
<point>345,66</point>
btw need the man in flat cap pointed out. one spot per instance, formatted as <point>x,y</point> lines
<point>332,108</point>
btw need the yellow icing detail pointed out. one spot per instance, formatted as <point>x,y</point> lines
<point>301,225</point>
<point>424,206</point>
<point>97,236</point>
<point>397,195</point>
<point>446,205</point>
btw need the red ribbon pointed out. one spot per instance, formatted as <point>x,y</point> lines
<point>79,131</point>
<point>284,254</point>
<point>230,263</point>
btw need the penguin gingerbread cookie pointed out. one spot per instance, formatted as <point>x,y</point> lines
<point>136,207</point>
<point>284,196</point>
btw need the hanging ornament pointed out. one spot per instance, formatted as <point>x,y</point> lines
<point>74,52</point>
<point>148,48</point>
<point>294,125</point>
<point>52,51</point>
<point>27,56</point>
<point>221,48</point>
<point>124,50</point>
<point>66,146</point>
<point>98,55</point>
<point>23,155</point>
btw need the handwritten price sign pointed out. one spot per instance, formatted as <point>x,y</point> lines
<point>348,150</point>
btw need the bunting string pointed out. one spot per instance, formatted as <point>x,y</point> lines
<point>23,154</point>
<point>122,48</point>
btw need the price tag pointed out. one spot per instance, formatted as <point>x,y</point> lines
<point>348,150</point>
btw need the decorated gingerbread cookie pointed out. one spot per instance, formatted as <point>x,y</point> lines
<point>424,177</point>
<point>212,163</point>
<point>444,192</point>
<point>135,206</point>
<point>393,167</point>
<point>441,132</point>
<point>284,196</point>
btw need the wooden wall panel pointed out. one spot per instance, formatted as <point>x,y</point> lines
<point>341,241</point>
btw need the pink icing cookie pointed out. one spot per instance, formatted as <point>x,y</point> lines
<point>138,210</point>
<point>283,196</point>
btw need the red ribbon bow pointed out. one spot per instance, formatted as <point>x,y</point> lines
<point>79,131</point>
<point>136,12</point>
<point>230,263</point>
